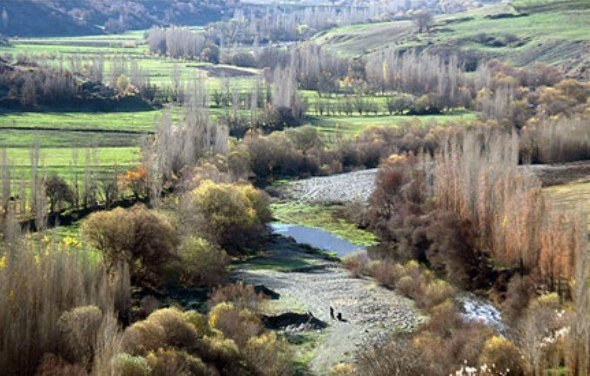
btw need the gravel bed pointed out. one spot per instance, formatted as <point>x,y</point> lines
<point>341,188</point>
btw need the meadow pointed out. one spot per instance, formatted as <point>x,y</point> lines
<point>523,33</point>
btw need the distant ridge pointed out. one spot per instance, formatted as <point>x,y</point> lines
<point>37,18</point>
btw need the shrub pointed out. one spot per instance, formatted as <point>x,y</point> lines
<point>397,356</point>
<point>356,263</point>
<point>142,238</point>
<point>223,352</point>
<point>128,365</point>
<point>179,331</point>
<point>199,322</point>
<point>407,286</point>
<point>202,263</point>
<point>276,156</point>
<point>444,318</point>
<point>232,216</point>
<point>502,354</point>
<point>343,369</point>
<point>238,325</point>
<point>77,333</point>
<point>268,355</point>
<point>143,337</point>
<point>384,272</point>
<point>240,295</point>
<point>53,365</point>
<point>165,362</point>
<point>434,293</point>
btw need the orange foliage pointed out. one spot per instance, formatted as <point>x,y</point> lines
<point>136,180</point>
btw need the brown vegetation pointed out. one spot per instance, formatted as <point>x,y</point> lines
<point>60,301</point>
<point>144,240</point>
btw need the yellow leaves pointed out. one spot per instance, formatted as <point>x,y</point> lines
<point>217,312</point>
<point>505,222</point>
<point>2,262</point>
<point>69,242</point>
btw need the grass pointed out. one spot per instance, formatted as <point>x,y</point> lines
<point>350,126</point>
<point>573,196</point>
<point>278,263</point>
<point>321,216</point>
<point>550,32</point>
<point>305,345</point>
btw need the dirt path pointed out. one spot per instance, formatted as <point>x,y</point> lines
<point>313,284</point>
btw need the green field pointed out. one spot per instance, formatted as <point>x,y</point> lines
<point>350,126</point>
<point>116,137</point>
<point>543,31</point>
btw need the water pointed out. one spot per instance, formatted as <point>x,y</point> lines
<point>316,238</point>
<point>474,308</point>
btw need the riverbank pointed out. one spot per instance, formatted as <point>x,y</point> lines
<point>307,282</point>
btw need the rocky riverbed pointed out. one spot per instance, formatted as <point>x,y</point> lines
<point>370,312</point>
<point>341,188</point>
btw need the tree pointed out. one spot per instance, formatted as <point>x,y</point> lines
<point>59,192</point>
<point>423,20</point>
<point>203,263</point>
<point>230,215</point>
<point>137,181</point>
<point>145,240</point>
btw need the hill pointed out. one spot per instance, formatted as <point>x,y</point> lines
<point>522,33</point>
<point>27,18</point>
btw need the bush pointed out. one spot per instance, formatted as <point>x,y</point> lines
<point>343,369</point>
<point>53,365</point>
<point>128,365</point>
<point>502,355</point>
<point>238,325</point>
<point>240,295</point>
<point>356,263</point>
<point>143,337</point>
<point>407,286</point>
<point>202,263</point>
<point>165,362</point>
<point>397,356</point>
<point>222,352</point>
<point>268,355</point>
<point>142,238</point>
<point>199,322</point>
<point>276,156</point>
<point>232,216</point>
<point>384,272</point>
<point>434,293</point>
<point>77,333</point>
<point>179,331</point>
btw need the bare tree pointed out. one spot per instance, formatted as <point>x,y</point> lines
<point>423,20</point>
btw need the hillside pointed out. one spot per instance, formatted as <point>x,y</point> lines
<point>522,33</point>
<point>78,17</point>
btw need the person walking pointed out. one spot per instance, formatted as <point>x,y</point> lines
<point>332,312</point>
